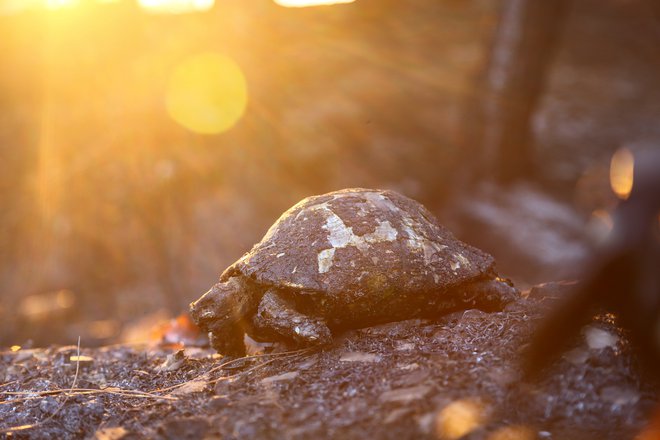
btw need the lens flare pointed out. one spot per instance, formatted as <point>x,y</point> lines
<point>176,6</point>
<point>305,3</point>
<point>207,93</point>
<point>460,418</point>
<point>621,172</point>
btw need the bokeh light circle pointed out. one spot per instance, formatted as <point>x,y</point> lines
<point>207,93</point>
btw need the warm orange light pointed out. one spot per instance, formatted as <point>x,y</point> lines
<point>207,93</point>
<point>176,6</point>
<point>44,305</point>
<point>304,3</point>
<point>621,172</point>
<point>460,418</point>
<point>10,7</point>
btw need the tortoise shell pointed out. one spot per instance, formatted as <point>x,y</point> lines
<point>357,246</point>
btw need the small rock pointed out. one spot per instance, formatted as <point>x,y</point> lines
<point>597,338</point>
<point>280,377</point>
<point>98,379</point>
<point>405,395</point>
<point>193,386</point>
<point>404,346</point>
<point>173,362</point>
<point>357,356</point>
<point>409,367</point>
<point>48,405</point>
<point>396,415</point>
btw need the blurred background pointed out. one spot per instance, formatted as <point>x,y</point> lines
<point>145,145</point>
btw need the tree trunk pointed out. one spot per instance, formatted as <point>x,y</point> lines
<point>499,119</point>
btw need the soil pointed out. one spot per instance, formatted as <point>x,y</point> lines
<point>414,379</point>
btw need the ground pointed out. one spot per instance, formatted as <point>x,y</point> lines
<point>414,379</point>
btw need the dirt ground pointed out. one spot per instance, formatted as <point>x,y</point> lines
<point>457,377</point>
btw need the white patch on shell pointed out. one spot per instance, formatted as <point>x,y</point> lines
<point>341,236</point>
<point>430,249</point>
<point>463,262</point>
<point>454,265</point>
<point>419,243</point>
<point>384,232</point>
<point>281,254</point>
<point>325,259</point>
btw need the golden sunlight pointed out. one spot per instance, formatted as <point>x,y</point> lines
<point>176,6</point>
<point>57,4</point>
<point>304,3</point>
<point>207,93</point>
<point>621,172</point>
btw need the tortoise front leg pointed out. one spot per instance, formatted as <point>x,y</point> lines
<point>278,315</point>
<point>224,312</point>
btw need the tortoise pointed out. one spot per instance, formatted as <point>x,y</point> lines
<point>347,259</point>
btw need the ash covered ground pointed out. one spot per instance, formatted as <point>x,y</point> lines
<point>438,379</point>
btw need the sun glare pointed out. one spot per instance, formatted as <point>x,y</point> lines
<point>304,3</point>
<point>621,172</point>
<point>176,6</point>
<point>207,93</point>
<point>57,4</point>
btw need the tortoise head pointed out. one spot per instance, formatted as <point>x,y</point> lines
<point>226,306</point>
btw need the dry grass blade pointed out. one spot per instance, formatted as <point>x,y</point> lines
<point>277,356</point>
<point>6,384</point>
<point>79,392</point>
